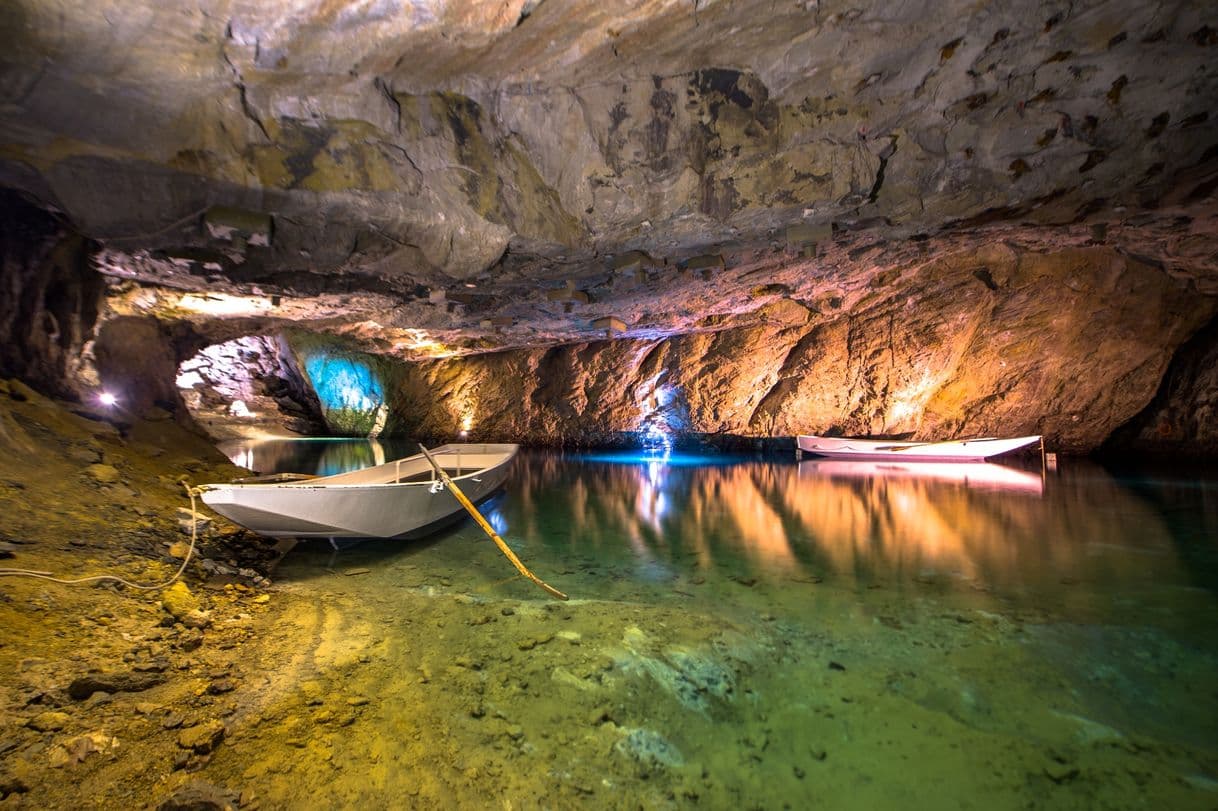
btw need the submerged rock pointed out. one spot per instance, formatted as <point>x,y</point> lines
<point>693,677</point>
<point>201,796</point>
<point>649,748</point>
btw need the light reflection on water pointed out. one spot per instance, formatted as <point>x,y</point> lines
<point>884,629</point>
<point>1056,541</point>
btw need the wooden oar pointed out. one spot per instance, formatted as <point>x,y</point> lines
<point>486,527</point>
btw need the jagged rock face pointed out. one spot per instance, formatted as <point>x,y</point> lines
<point>1071,348</point>
<point>748,194</point>
<point>50,300</point>
<point>1180,420</point>
<point>251,385</point>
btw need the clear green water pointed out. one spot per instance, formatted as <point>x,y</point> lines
<point>749,633</point>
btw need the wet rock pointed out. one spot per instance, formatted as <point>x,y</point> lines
<point>102,474</point>
<point>203,738</point>
<point>178,600</point>
<point>649,748</point>
<point>49,721</point>
<point>158,665</point>
<point>12,784</point>
<point>197,620</point>
<point>187,520</point>
<point>75,750</point>
<point>85,686</point>
<point>532,642</point>
<point>190,639</point>
<point>1060,770</point>
<point>201,796</point>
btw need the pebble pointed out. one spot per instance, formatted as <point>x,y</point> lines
<point>357,701</point>
<point>221,686</point>
<point>49,721</point>
<point>353,572</point>
<point>172,721</point>
<point>179,601</point>
<point>1060,772</point>
<point>202,738</point>
<point>532,642</point>
<point>190,639</point>
<point>196,619</point>
<point>103,474</point>
<point>201,795</point>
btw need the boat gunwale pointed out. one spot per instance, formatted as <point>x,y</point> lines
<point>319,483</point>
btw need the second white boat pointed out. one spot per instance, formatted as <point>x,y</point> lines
<point>963,450</point>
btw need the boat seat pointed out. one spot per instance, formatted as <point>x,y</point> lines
<point>429,475</point>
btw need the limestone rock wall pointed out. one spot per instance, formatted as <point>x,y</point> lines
<point>1071,345</point>
<point>50,300</point>
<point>1180,421</point>
<point>246,385</point>
<point>454,141</point>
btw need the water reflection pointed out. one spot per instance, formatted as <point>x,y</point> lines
<point>320,457</point>
<point>1067,542</point>
<point>982,527</point>
<point>976,475</point>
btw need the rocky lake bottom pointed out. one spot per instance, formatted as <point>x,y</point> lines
<point>740,634</point>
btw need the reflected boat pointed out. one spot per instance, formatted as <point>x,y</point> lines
<point>963,450</point>
<point>399,499</point>
<point>974,475</point>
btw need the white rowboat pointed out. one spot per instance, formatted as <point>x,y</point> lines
<point>964,450</point>
<point>399,499</point>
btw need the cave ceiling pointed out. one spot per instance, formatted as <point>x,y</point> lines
<point>433,178</point>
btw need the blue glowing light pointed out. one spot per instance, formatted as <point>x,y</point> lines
<point>344,383</point>
<point>348,390</point>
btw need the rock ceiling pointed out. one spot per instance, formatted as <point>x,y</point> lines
<point>436,178</point>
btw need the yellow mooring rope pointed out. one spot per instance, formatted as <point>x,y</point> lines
<point>194,534</point>
<point>486,527</point>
